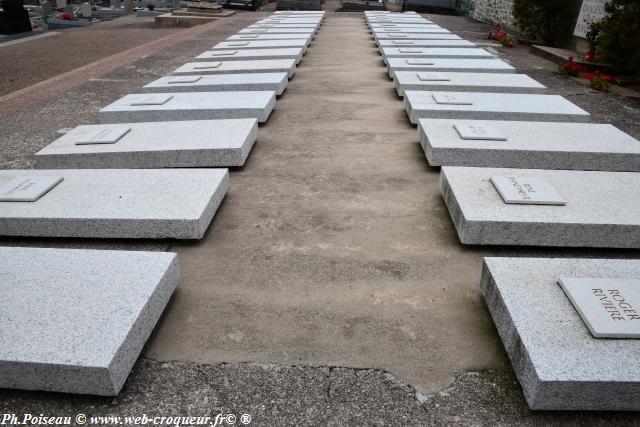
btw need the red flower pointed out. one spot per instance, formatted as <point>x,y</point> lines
<point>66,16</point>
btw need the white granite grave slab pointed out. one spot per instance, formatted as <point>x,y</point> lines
<point>288,21</point>
<point>559,364</point>
<point>391,18</point>
<point>306,26</point>
<point>448,64</point>
<point>266,37</point>
<point>386,32</point>
<point>75,321</point>
<point>118,203</point>
<point>433,52</point>
<point>494,106</point>
<point>291,19</point>
<point>193,106</point>
<point>600,209</point>
<point>303,31</point>
<point>466,82</point>
<point>276,82</point>
<point>251,54</point>
<point>423,40</point>
<point>298,12</point>
<point>377,26</point>
<point>232,67</point>
<point>372,21</point>
<point>531,145</point>
<point>154,145</point>
<point>262,44</point>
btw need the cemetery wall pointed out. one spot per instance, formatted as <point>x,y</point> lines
<point>494,12</point>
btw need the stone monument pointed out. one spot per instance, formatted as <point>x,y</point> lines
<point>591,11</point>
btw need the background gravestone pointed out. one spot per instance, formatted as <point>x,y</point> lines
<point>591,11</point>
<point>14,18</point>
<point>47,7</point>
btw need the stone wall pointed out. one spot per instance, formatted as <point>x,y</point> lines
<point>494,12</point>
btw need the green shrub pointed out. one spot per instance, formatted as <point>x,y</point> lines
<point>551,21</point>
<point>619,37</point>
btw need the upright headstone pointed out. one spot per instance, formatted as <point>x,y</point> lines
<point>47,8</point>
<point>86,10</point>
<point>591,11</point>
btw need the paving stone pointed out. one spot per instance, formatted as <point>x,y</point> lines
<point>276,82</point>
<point>600,208</point>
<point>199,143</point>
<point>531,145</point>
<point>559,364</point>
<point>448,64</point>
<point>262,44</point>
<point>251,54</point>
<point>117,203</point>
<point>434,52</point>
<point>493,106</point>
<point>232,67</point>
<point>75,321</point>
<point>466,82</point>
<point>192,106</point>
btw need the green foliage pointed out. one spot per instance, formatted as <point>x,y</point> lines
<point>465,7</point>
<point>619,37</point>
<point>551,21</point>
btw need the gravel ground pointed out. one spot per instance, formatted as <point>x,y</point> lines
<point>27,63</point>
<point>306,396</point>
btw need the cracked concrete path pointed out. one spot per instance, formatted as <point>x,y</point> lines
<point>333,247</point>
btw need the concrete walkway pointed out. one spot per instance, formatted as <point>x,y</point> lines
<point>333,247</point>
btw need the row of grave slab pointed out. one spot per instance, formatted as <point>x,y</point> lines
<point>523,167</point>
<point>73,320</point>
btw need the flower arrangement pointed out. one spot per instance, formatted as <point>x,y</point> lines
<point>501,36</point>
<point>592,37</point>
<point>597,79</point>
<point>572,69</point>
<point>66,16</point>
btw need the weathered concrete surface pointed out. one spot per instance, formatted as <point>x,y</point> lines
<point>352,258</point>
<point>269,394</point>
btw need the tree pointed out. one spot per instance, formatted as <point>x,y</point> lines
<point>551,21</point>
<point>619,37</point>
